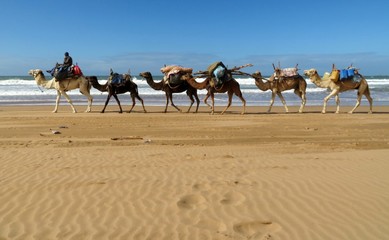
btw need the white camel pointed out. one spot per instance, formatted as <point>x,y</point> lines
<point>63,86</point>
<point>341,86</point>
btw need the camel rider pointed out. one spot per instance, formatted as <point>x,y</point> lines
<point>66,65</point>
<point>67,61</point>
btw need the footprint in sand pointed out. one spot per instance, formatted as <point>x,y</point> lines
<point>201,187</point>
<point>212,225</point>
<point>191,201</point>
<point>256,229</point>
<point>233,198</point>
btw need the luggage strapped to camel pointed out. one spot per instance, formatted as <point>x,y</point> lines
<point>344,74</point>
<point>173,74</point>
<point>220,74</point>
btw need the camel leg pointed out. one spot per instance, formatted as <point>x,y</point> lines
<point>167,101</point>
<point>240,96</point>
<point>333,93</point>
<point>117,100</point>
<point>273,96</point>
<point>359,98</point>
<point>205,100</point>
<point>213,102</point>
<point>141,100</point>
<point>368,97</point>
<point>197,102</point>
<point>90,100</point>
<point>133,103</point>
<point>229,102</point>
<point>362,92</point>
<point>337,101</point>
<point>106,102</point>
<point>69,101</point>
<point>303,99</point>
<point>191,101</point>
<point>172,103</point>
<point>283,101</point>
<point>57,101</point>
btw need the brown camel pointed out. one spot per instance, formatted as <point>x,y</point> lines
<point>113,89</point>
<point>231,87</point>
<point>63,86</point>
<point>169,90</point>
<point>341,86</point>
<point>282,84</point>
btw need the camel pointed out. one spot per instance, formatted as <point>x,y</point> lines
<point>282,84</point>
<point>341,86</point>
<point>231,87</point>
<point>169,90</point>
<point>113,90</point>
<point>63,86</point>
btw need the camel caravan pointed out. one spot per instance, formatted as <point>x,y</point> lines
<point>217,78</point>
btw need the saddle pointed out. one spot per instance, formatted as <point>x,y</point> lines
<point>60,72</point>
<point>279,74</point>
<point>289,72</point>
<point>116,79</point>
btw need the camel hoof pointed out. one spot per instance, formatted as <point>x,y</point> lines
<point>351,112</point>
<point>370,112</point>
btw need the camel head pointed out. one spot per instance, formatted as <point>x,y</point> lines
<point>186,77</point>
<point>35,72</point>
<point>92,79</point>
<point>38,76</point>
<point>145,74</point>
<point>257,75</point>
<point>310,72</point>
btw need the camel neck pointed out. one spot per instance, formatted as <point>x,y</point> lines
<point>264,86</point>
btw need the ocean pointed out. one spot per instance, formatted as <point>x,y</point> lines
<point>22,90</point>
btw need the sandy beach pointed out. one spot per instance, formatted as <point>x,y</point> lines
<point>193,176</point>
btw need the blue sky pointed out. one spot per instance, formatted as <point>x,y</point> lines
<point>145,35</point>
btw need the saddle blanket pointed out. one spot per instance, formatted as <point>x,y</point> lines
<point>289,72</point>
